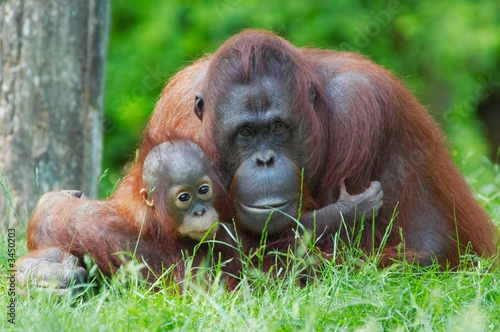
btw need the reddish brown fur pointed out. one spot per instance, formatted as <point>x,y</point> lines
<point>103,228</point>
<point>364,126</point>
<point>373,130</point>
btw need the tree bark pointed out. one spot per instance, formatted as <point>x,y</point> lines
<point>52,64</point>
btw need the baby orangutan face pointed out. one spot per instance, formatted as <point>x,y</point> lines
<point>191,206</point>
<point>178,174</point>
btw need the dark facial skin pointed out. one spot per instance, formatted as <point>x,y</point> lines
<point>264,161</point>
<point>273,184</point>
<point>180,173</point>
<point>262,153</point>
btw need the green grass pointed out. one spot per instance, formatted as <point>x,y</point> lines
<point>344,298</point>
<point>353,295</point>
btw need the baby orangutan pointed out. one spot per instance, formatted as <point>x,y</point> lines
<point>177,180</point>
<point>178,195</point>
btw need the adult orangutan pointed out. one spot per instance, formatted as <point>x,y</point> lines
<point>269,110</point>
<point>341,118</point>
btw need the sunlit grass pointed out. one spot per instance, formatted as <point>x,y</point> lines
<point>348,296</point>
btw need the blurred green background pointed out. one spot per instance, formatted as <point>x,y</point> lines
<point>447,53</point>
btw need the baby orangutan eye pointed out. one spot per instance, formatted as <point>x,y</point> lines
<point>204,190</point>
<point>184,197</point>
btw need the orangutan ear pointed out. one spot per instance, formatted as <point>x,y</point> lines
<point>145,196</point>
<point>312,92</point>
<point>198,105</point>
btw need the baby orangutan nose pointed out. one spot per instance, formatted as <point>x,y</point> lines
<point>199,210</point>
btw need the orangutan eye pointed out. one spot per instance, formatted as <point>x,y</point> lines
<point>184,197</point>
<point>278,128</point>
<point>204,190</point>
<point>245,132</point>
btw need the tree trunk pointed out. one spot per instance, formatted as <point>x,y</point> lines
<point>52,64</point>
